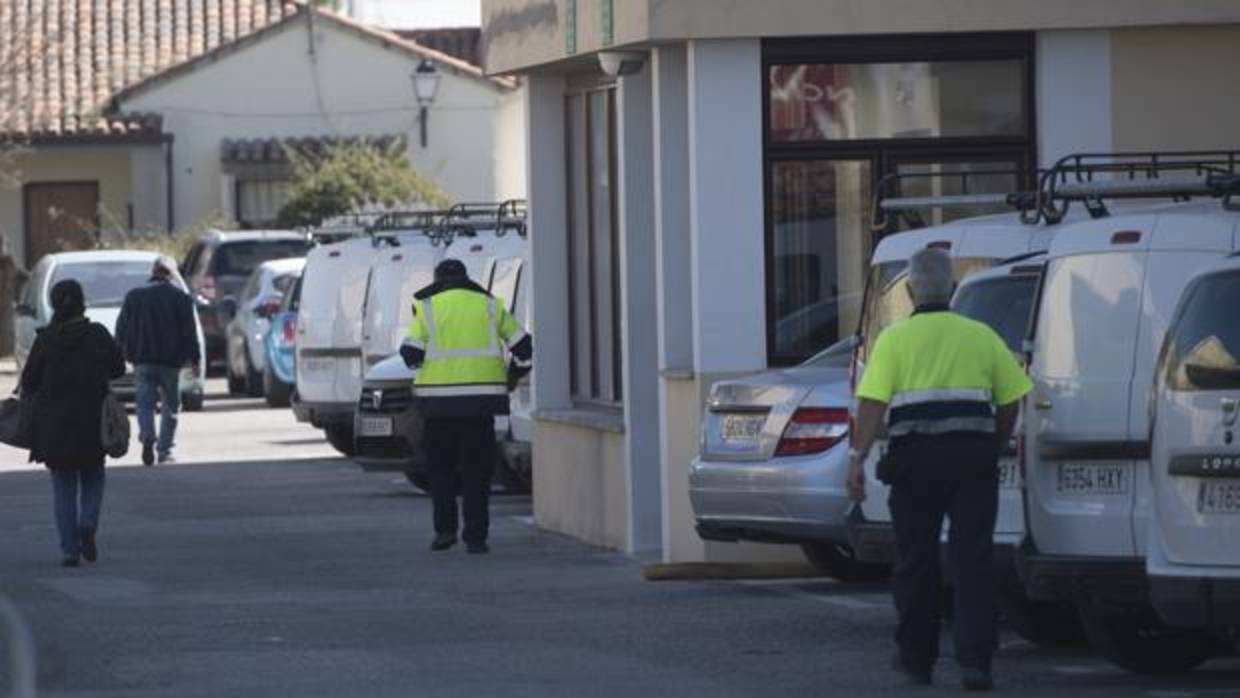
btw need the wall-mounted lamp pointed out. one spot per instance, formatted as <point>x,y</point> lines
<point>425,87</point>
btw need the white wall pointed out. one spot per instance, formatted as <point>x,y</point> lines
<point>509,155</point>
<point>346,86</point>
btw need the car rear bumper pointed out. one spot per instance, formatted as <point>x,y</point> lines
<point>1195,600</point>
<point>793,499</point>
<point>323,414</point>
<point>1064,577</point>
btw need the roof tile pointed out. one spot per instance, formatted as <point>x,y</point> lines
<point>62,60</point>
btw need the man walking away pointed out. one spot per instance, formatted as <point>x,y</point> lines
<point>157,332</point>
<point>456,342</point>
<point>953,389</point>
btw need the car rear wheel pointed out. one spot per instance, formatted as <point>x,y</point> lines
<point>253,379</point>
<point>1045,623</point>
<point>1133,638</point>
<point>341,439</point>
<point>839,561</point>
<point>277,392</point>
<point>191,401</point>
<point>236,386</point>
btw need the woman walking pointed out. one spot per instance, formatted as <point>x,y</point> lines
<point>67,376</point>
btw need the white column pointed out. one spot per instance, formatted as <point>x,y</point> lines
<point>548,223</point>
<point>148,187</point>
<point>727,205</point>
<point>639,303</point>
<point>674,286</point>
<point>1073,93</point>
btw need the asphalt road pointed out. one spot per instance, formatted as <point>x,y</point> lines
<point>261,565</point>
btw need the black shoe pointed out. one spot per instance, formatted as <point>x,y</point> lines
<point>90,551</point>
<point>148,453</point>
<point>443,541</point>
<point>976,680</point>
<point>914,677</point>
<point>69,561</point>
<point>477,548</point>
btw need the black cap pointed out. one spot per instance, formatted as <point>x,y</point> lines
<point>450,269</point>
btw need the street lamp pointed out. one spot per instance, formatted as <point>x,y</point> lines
<point>425,88</point>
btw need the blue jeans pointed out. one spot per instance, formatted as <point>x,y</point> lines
<point>160,384</point>
<point>70,519</point>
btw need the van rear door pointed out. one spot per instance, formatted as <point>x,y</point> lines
<point>333,290</point>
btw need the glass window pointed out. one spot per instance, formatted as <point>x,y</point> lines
<point>104,283</point>
<point>838,355</point>
<point>242,258</point>
<point>889,302</point>
<point>259,202</point>
<point>1004,304</point>
<point>819,246</point>
<point>1203,346</point>
<point>594,265</point>
<point>932,179</point>
<point>945,99</point>
<point>504,281</point>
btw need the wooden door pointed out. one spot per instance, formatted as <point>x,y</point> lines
<point>60,216</point>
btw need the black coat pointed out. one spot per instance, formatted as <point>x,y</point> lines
<point>156,326</point>
<point>67,375</point>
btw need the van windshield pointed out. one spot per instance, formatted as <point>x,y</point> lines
<point>887,300</point>
<point>1203,347</point>
<point>1003,303</point>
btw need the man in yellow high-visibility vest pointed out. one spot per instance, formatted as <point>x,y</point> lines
<point>950,390</point>
<point>457,342</point>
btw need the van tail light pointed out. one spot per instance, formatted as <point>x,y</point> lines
<point>206,288</point>
<point>813,430</point>
<point>289,329</point>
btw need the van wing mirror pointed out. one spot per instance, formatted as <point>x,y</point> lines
<point>24,310</point>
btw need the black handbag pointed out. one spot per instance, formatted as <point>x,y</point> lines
<point>17,422</point>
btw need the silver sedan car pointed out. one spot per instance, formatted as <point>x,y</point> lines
<point>773,462</point>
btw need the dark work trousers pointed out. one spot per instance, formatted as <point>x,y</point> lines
<point>461,452</point>
<point>953,475</point>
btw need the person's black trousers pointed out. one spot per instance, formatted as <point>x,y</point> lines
<point>953,475</point>
<point>461,453</point>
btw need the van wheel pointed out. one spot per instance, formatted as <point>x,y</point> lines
<point>1044,623</point>
<point>236,386</point>
<point>191,401</point>
<point>277,392</point>
<point>341,439</point>
<point>839,561</point>
<point>419,480</point>
<point>1134,639</point>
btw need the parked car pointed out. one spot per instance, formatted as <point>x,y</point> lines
<point>1192,559</point>
<point>217,268</point>
<point>1108,293</point>
<point>257,302</point>
<point>280,366</point>
<point>774,459</point>
<point>106,277</point>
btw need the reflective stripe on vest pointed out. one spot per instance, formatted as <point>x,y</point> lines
<point>491,351</point>
<point>939,411</point>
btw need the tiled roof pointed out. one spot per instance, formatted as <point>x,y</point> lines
<point>61,61</point>
<point>464,43</point>
<point>275,150</point>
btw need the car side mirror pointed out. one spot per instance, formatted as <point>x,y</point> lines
<point>24,310</point>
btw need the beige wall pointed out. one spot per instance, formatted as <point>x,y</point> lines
<point>579,487</point>
<point>108,165</point>
<point>1176,88</point>
<point>521,34</point>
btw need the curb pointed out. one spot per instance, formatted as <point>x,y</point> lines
<point>683,571</point>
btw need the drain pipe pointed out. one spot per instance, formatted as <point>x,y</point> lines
<point>21,650</point>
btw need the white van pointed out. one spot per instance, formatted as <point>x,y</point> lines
<point>1105,303</point>
<point>404,262</point>
<point>329,337</point>
<point>1192,556</point>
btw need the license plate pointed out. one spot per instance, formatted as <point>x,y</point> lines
<point>1219,497</point>
<point>742,427</point>
<point>1009,474</point>
<point>376,426</point>
<point>1093,479</point>
<point>316,365</point>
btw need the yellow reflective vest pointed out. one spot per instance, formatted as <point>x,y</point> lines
<point>463,335</point>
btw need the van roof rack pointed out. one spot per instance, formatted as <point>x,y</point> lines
<point>1092,178</point>
<point>511,216</point>
<point>890,207</point>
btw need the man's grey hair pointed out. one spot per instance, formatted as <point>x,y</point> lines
<point>930,276</point>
